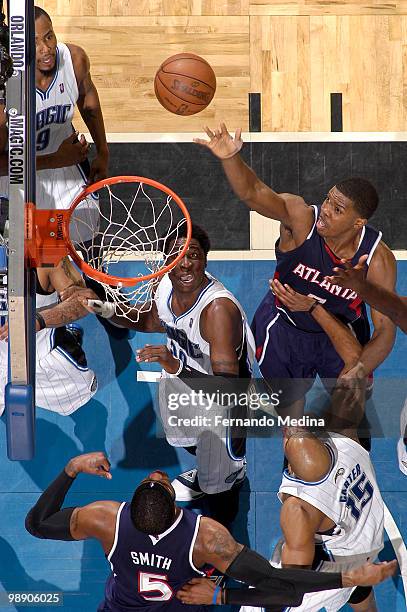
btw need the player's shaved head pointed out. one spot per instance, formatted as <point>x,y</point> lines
<point>307,455</point>
<point>39,12</point>
<point>152,508</point>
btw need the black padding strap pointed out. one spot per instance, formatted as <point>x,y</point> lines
<point>274,586</point>
<point>46,519</point>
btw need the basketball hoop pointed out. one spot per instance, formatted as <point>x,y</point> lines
<point>109,224</point>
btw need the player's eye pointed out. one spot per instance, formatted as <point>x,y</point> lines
<point>337,210</point>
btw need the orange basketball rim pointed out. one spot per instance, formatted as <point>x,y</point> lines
<point>48,240</point>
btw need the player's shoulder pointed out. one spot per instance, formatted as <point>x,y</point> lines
<point>383,260</point>
<point>222,309</point>
<point>80,60</point>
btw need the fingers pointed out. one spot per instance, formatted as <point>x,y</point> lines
<point>200,141</point>
<point>209,133</point>
<point>363,260</point>
<point>104,469</point>
<point>151,353</point>
<point>72,137</point>
<point>238,134</point>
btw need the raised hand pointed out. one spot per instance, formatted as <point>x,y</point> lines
<point>90,463</point>
<point>350,276</point>
<point>158,354</point>
<point>221,142</point>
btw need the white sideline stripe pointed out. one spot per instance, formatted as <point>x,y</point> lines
<point>258,136</point>
<point>147,376</point>
<point>399,547</point>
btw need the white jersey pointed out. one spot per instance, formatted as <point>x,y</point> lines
<point>219,455</point>
<point>62,384</point>
<point>58,187</point>
<point>184,337</point>
<point>350,497</point>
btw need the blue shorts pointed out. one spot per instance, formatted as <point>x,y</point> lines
<point>285,352</point>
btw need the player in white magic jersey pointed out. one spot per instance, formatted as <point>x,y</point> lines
<point>63,81</point>
<point>209,342</point>
<point>64,382</point>
<point>332,514</point>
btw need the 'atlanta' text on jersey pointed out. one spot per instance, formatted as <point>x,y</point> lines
<point>315,276</point>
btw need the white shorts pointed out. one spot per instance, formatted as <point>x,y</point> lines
<point>62,385</point>
<point>331,601</point>
<point>218,460</point>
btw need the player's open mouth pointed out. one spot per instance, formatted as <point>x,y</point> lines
<point>321,223</point>
<point>47,61</point>
<point>186,278</point>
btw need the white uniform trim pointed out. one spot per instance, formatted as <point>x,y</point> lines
<point>191,548</point>
<point>116,533</point>
<point>372,250</point>
<point>161,536</point>
<point>260,361</point>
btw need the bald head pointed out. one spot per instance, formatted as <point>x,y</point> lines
<point>307,455</point>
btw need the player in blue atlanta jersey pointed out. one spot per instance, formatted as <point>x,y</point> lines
<point>154,547</point>
<point>312,242</point>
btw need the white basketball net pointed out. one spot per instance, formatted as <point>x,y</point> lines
<point>124,234</point>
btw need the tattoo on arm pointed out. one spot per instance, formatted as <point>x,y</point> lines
<point>224,366</point>
<point>221,544</point>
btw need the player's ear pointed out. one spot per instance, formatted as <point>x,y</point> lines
<point>359,223</point>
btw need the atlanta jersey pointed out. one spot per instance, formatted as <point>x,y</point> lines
<point>147,571</point>
<point>220,458</point>
<point>305,269</point>
<point>63,381</point>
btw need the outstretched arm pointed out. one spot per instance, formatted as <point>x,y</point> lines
<point>290,209</point>
<point>216,546</point>
<point>143,318</point>
<point>381,299</point>
<point>48,520</point>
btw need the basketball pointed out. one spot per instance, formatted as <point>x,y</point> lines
<point>185,84</point>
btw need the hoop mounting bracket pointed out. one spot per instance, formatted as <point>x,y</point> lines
<point>45,236</point>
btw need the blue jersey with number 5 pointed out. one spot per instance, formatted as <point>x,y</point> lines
<point>147,571</point>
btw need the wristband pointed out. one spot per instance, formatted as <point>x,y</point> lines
<point>215,595</point>
<point>40,320</point>
<point>180,368</point>
<point>314,305</point>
